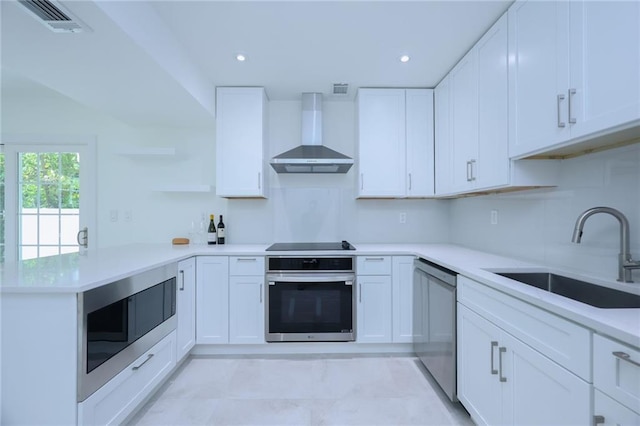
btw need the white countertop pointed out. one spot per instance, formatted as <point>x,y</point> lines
<point>75,273</point>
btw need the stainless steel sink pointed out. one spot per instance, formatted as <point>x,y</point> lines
<point>581,291</point>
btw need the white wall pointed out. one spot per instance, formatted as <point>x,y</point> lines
<point>538,225</point>
<point>125,183</point>
<point>300,207</point>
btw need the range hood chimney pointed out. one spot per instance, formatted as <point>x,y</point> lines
<point>311,156</point>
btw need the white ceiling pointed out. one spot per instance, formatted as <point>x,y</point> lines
<point>158,61</point>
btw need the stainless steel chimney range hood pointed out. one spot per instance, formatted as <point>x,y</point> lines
<point>311,156</point>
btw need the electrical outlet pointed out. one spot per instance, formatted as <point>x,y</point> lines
<point>113,215</point>
<point>403,218</point>
<point>494,217</point>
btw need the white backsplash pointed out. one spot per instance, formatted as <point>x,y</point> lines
<point>538,225</point>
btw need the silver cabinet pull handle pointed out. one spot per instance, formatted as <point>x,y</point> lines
<point>500,352</point>
<point>560,99</point>
<point>260,293</point>
<point>625,357</point>
<point>359,293</point>
<point>473,175</point>
<point>409,181</point>
<point>181,280</point>
<point>468,171</point>
<point>246,259</point>
<point>598,420</point>
<point>136,367</point>
<point>494,344</point>
<point>259,180</point>
<point>572,119</point>
<point>374,259</point>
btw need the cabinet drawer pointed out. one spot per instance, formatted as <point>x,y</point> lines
<point>559,339</point>
<point>246,265</point>
<point>616,370</point>
<point>374,265</point>
<point>611,412</point>
<point>112,403</point>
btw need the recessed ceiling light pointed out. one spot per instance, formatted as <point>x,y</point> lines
<point>240,57</point>
<point>404,58</point>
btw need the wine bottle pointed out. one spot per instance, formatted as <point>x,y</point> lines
<point>211,232</point>
<point>220,231</point>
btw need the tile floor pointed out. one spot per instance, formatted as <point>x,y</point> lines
<point>301,391</point>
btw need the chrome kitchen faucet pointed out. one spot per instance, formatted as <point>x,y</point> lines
<point>625,262</point>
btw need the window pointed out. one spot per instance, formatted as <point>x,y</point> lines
<point>49,203</point>
<point>47,196</point>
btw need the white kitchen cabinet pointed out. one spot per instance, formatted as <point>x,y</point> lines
<point>479,388</point>
<point>212,303</point>
<point>478,100</point>
<point>472,128</point>
<point>503,381</point>
<point>241,142</point>
<point>464,119</point>
<point>120,396</point>
<point>395,135</point>
<point>374,309</point>
<point>419,143</point>
<point>402,299</point>
<point>442,119</point>
<point>573,74</point>
<point>616,373</point>
<point>186,307</point>
<point>373,265</point>
<point>246,300</point>
<point>608,411</point>
<point>518,364</point>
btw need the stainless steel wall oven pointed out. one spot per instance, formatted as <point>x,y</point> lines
<point>310,298</point>
<point>120,321</point>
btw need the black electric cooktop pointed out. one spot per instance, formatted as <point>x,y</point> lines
<point>343,245</point>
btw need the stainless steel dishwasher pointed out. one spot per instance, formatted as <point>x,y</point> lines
<point>434,322</point>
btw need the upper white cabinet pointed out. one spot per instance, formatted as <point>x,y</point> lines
<point>574,70</point>
<point>395,143</point>
<point>478,101</point>
<point>472,128</point>
<point>186,307</point>
<point>241,141</point>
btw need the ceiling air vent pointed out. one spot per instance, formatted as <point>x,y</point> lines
<point>54,16</point>
<point>340,89</point>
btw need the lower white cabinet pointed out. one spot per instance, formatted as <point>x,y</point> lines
<point>112,403</point>
<point>616,378</point>
<point>212,302</point>
<point>186,307</point>
<point>519,364</point>
<point>503,381</point>
<point>402,298</point>
<point>246,300</point>
<point>374,309</point>
<point>610,412</point>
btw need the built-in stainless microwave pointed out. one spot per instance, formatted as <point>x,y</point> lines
<point>120,321</point>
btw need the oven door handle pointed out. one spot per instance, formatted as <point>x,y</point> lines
<point>310,278</point>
